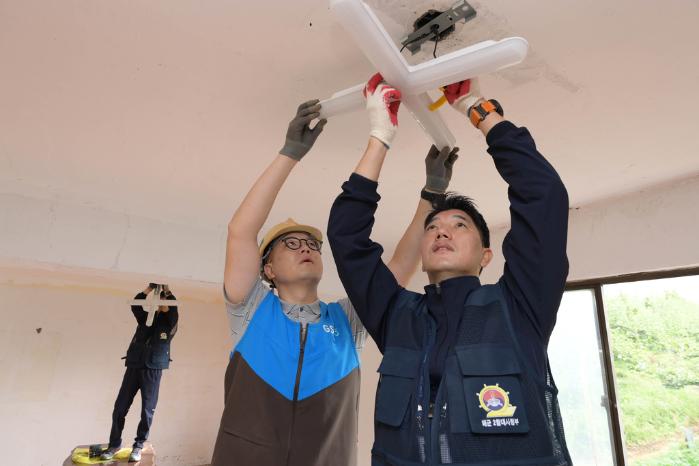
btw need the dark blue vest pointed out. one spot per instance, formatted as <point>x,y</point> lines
<point>150,346</point>
<point>491,407</point>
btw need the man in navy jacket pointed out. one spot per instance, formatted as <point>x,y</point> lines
<point>465,378</point>
<point>148,354</point>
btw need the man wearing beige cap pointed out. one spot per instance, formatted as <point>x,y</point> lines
<point>292,383</point>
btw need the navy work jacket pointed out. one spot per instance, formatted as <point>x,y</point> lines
<point>494,400</point>
<point>150,346</point>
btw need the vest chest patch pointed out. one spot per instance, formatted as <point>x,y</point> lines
<point>495,405</point>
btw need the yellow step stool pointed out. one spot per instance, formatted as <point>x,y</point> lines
<point>80,455</point>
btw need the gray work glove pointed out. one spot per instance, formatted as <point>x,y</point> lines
<point>300,137</point>
<point>438,167</point>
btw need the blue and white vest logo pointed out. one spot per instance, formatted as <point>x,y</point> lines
<point>331,329</point>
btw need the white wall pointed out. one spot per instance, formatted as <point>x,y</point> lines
<point>37,230</point>
<point>71,235</point>
<point>655,229</point>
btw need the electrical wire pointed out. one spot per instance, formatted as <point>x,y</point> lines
<point>436,41</point>
<point>435,31</point>
<point>410,42</point>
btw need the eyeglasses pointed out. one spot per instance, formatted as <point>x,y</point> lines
<point>294,243</point>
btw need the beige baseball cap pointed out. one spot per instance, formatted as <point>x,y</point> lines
<point>288,226</point>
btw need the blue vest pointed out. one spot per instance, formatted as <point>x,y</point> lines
<point>492,407</point>
<point>271,346</point>
<point>292,392</point>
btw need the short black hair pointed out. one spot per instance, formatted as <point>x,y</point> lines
<point>452,200</point>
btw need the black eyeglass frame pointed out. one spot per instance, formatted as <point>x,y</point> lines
<point>269,248</point>
<point>308,242</point>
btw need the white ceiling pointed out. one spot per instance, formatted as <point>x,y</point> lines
<point>169,108</point>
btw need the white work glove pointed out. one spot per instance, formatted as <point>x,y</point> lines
<point>382,102</point>
<point>462,95</point>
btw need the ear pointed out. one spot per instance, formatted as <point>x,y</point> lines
<point>487,257</point>
<point>268,271</point>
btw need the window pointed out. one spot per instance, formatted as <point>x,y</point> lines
<point>579,373</point>
<point>625,357</point>
<point>654,337</point>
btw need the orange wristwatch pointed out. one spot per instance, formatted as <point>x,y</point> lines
<point>478,112</point>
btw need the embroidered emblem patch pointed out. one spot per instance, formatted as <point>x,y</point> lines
<point>163,336</point>
<point>495,401</point>
<point>500,409</point>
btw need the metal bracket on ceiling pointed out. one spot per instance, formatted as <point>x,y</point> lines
<point>439,26</point>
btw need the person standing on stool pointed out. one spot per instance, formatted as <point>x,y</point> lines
<point>147,356</point>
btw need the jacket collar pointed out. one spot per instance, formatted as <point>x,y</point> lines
<point>450,291</point>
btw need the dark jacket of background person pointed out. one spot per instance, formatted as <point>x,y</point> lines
<point>150,346</point>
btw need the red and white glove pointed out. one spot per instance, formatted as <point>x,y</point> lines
<point>462,95</point>
<point>382,102</point>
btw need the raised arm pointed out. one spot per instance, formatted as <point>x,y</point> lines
<point>242,256</point>
<point>371,284</point>
<point>138,312</point>
<point>172,313</point>
<point>438,171</point>
<point>406,257</point>
<point>536,265</point>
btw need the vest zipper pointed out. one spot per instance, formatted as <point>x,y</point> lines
<point>435,445</point>
<point>425,388</point>
<point>302,340</point>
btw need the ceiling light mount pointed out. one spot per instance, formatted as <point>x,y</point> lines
<point>414,81</point>
<point>437,25</point>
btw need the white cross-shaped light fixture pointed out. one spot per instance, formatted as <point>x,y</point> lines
<point>152,302</point>
<point>415,80</point>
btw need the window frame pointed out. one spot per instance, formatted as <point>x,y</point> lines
<point>595,285</point>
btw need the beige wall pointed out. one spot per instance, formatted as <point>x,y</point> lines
<point>58,385</point>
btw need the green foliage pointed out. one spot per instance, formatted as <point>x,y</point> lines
<point>679,456</point>
<point>655,342</point>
